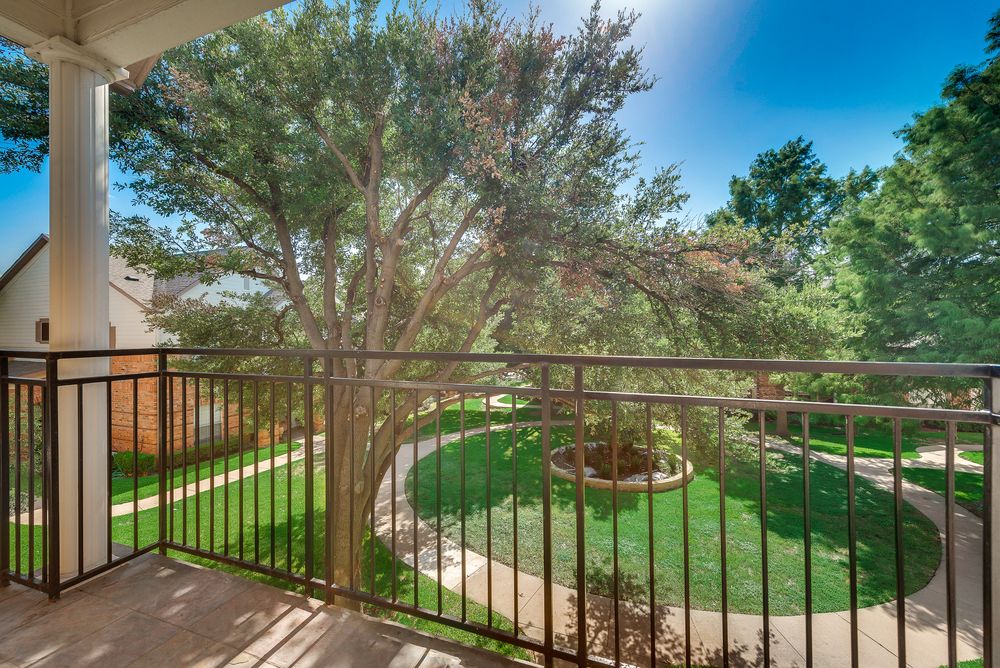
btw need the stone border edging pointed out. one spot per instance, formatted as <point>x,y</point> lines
<point>675,481</point>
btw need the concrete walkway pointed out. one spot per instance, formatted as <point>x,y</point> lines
<point>203,485</point>
<point>926,638</point>
<point>935,456</point>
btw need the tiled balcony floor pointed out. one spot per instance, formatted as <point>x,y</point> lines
<point>156,611</point>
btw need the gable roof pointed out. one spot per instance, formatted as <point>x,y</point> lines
<point>129,281</point>
<point>21,262</point>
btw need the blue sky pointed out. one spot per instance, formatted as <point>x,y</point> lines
<point>736,77</point>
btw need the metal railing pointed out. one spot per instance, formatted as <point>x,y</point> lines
<point>267,496</point>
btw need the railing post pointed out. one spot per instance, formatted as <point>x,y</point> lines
<point>309,493</point>
<point>161,402</point>
<point>4,472</point>
<point>50,471</point>
<point>991,528</point>
<point>547,510</point>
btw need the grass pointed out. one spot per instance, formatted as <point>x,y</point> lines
<point>785,529</point>
<point>870,441</point>
<point>938,435</point>
<point>968,486</point>
<point>149,485</point>
<point>475,417</point>
<point>975,456</point>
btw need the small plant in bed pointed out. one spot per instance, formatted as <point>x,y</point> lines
<point>631,452</point>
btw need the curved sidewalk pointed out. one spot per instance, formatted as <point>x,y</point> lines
<point>926,610</point>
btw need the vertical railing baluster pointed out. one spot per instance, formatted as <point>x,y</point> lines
<point>650,536</point>
<point>161,450</point>
<point>329,513</point>
<point>197,462</point>
<point>5,472</point>
<point>723,567</point>
<point>352,462</point>
<point>616,575</point>
<point>437,492</point>
<point>373,469</point>
<point>50,462</point>
<point>852,538</point>
<point>549,635</point>
<point>949,537</point>
<point>897,492</point>
<point>135,462</point>
<point>17,478</point>
<point>184,463</point>
<point>416,498</point>
<point>489,514</point>
<point>79,477</point>
<point>30,396</point>
<point>45,493</point>
<point>273,501</point>
<point>173,462</point>
<point>110,466</point>
<point>227,439</point>
<point>211,466</point>
<point>461,494</point>
<point>580,463</point>
<point>991,528</point>
<point>807,536</point>
<point>765,593</point>
<point>513,491</point>
<point>288,478</point>
<point>256,471</point>
<point>394,597</point>
<point>310,498</point>
<point>686,537</point>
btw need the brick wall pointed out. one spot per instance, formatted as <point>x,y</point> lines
<point>767,389</point>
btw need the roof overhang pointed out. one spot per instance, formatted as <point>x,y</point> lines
<point>124,33</point>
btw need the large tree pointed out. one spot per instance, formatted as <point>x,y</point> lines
<point>406,182</point>
<point>919,261</point>
<point>789,199</point>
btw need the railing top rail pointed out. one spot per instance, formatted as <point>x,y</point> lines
<point>925,369</point>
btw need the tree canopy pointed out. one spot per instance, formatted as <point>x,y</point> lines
<point>789,198</point>
<point>919,260</point>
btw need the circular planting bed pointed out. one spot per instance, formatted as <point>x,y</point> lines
<point>633,469</point>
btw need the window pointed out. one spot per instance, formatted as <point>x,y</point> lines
<point>42,330</point>
<point>246,283</point>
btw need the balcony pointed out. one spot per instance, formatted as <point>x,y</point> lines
<point>549,515</point>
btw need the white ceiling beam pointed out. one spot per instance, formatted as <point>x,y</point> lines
<point>132,31</point>
<point>28,22</point>
<point>123,32</point>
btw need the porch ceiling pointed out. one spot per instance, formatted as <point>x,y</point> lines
<point>123,32</point>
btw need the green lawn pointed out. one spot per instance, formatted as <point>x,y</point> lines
<point>938,435</point>
<point>868,442</point>
<point>976,456</point>
<point>149,485</point>
<point>475,417</point>
<point>785,549</point>
<point>968,486</point>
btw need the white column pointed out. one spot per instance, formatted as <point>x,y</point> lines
<point>78,284</point>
